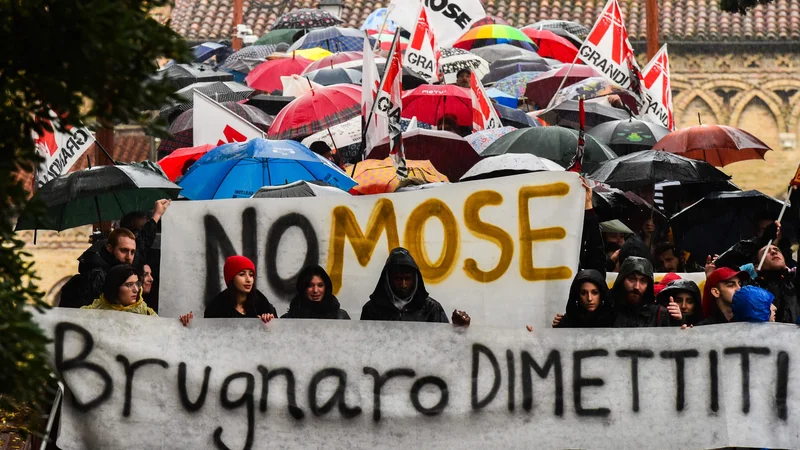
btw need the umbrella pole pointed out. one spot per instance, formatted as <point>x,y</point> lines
<point>563,80</point>
<point>389,10</point>
<point>99,218</point>
<point>780,216</point>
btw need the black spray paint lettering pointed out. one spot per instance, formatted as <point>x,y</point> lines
<point>680,376</point>
<point>450,10</point>
<point>286,287</point>
<point>579,382</point>
<point>246,399</point>
<point>217,239</point>
<point>266,377</point>
<point>634,355</point>
<point>744,353</point>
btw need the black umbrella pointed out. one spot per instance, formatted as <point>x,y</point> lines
<point>492,53</point>
<point>270,104</point>
<point>611,203</point>
<point>628,135</point>
<point>566,114</point>
<point>410,79</point>
<point>182,75</point>
<point>651,166</point>
<point>512,117</point>
<point>720,220</point>
<point>97,194</point>
<point>498,72</point>
<point>327,77</point>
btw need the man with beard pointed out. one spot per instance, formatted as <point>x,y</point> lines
<point>776,277</point>
<point>634,300</point>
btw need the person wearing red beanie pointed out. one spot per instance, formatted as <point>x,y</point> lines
<point>658,287</point>
<point>240,299</point>
<point>721,284</point>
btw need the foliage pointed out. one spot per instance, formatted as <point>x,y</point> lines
<point>740,6</point>
<point>87,59</point>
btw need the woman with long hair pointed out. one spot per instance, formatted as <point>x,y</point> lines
<point>240,299</point>
<point>314,298</point>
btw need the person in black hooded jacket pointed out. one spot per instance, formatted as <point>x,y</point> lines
<point>315,299</point>
<point>634,299</point>
<point>400,294</point>
<point>589,303</point>
<point>686,294</point>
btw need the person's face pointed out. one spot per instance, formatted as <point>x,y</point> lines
<point>686,302</point>
<point>726,289</point>
<point>668,261</point>
<point>774,259</point>
<point>315,289</point>
<point>635,287</point>
<point>128,292</point>
<point>617,238</point>
<point>147,279</point>
<point>124,251</point>
<point>590,296</point>
<point>772,310</point>
<point>463,80</point>
<point>402,282</point>
<point>243,281</point>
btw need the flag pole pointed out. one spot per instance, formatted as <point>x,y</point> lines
<point>389,10</point>
<point>380,88</point>
<point>564,80</point>
<point>780,216</point>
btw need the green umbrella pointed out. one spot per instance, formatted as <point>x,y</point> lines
<point>287,35</point>
<point>97,194</point>
<point>554,143</point>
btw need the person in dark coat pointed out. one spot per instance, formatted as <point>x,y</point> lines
<point>400,294</point>
<point>686,294</point>
<point>634,300</point>
<point>776,277</point>
<point>589,303</point>
<point>240,299</point>
<point>593,253</point>
<point>314,298</point>
<point>721,285</point>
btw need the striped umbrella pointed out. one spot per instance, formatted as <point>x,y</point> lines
<point>317,110</point>
<point>494,34</point>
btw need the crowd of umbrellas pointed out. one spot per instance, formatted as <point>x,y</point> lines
<point>300,83</point>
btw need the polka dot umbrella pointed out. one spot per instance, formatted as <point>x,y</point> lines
<point>305,19</point>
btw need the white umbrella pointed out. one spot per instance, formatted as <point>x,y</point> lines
<point>509,164</point>
<point>299,189</point>
<point>451,60</point>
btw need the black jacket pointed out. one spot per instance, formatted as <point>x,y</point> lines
<point>421,308</point>
<point>783,285</point>
<point>576,316</point>
<point>686,286</point>
<point>593,254</point>
<point>93,266</point>
<point>646,314</point>
<point>303,308</point>
<point>223,306</point>
<point>145,237</point>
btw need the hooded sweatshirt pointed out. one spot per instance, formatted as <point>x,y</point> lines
<point>681,285</point>
<point>383,304</point>
<point>303,308</point>
<point>647,313</point>
<point>576,316</point>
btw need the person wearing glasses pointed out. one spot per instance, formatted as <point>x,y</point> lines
<point>122,292</point>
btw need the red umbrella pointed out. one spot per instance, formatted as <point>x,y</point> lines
<point>430,102</point>
<point>544,87</point>
<point>317,110</point>
<point>267,75</point>
<point>176,163</point>
<point>552,45</point>
<point>334,60</point>
<point>718,145</point>
<point>490,20</point>
<point>449,153</point>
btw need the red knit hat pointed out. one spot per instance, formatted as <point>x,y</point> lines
<point>658,287</point>
<point>714,278</point>
<point>236,264</point>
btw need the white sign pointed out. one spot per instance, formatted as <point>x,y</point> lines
<point>60,150</point>
<point>142,382</point>
<point>216,125</point>
<point>448,19</point>
<point>339,135</point>
<point>493,248</point>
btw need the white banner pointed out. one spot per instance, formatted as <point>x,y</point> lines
<point>145,383</point>
<point>449,19</point>
<point>493,248</point>
<point>216,125</point>
<point>60,150</point>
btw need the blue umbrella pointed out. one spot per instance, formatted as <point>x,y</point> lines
<point>238,170</point>
<point>375,20</point>
<point>207,50</point>
<point>334,39</point>
<point>502,98</point>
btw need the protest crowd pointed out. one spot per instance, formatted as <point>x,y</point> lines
<point>412,102</point>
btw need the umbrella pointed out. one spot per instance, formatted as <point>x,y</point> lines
<point>721,219</point>
<point>300,188</point>
<point>545,86</point>
<point>379,176</point>
<point>552,45</point>
<point>376,19</point>
<point>304,19</point>
<point>628,135</point>
<point>251,52</point>
<point>327,77</point>
<point>270,104</point>
<point>492,53</point>
<point>97,194</point>
<point>405,124</point>
<point>312,54</point>
<point>182,128</point>
<point>451,60</point>
<point>515,84</point>
<point>566,114</point>
<point>208,50</point>
<point>498,72</point>
<point>241,67</point>
<point>343,60</point>
<point>651,166</point>
<point>509,164</point>
<point>489,20</point>
<point>615,226</point>
<point>385,40</point>
<point>596,87</point>
<point>285,35</point>
<point>575,33</point>
<point>512,117</point>
<point>219,91</point>
<point>335,39</point>
<point>502,98</point>
<point>239,169</point>
<point>611,203</point>
<point>317,110</point>
<point>449,153</point>
<point>182,75</point>
<point>494,34</point>
<point>267,75</point>
<point>178,162</point>
<point>410,79</point>
<point>345,138</point>
<point>554,143</point>
<point>431,102</point>
<point>719,145</point>
<point>479,140</point>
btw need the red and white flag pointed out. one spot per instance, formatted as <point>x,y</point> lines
<point>484,115</point>
<point>576,165</point>
<point>216,125</point>
<point>389,103</point>
<point>373,126</point>
<point>59,148</point>
<point>422,55</point>
<point>656,77</point>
